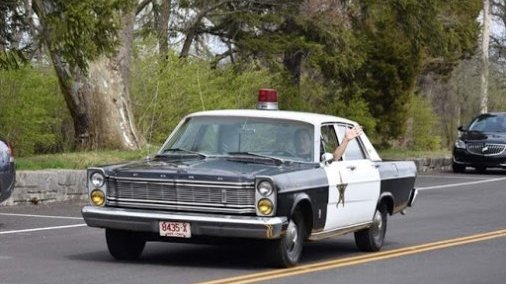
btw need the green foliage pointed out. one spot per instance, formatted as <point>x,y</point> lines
<point>81,30</point>
<point>31,115</point>
<point>164,93</point>
<point>424,128</point>
<point>13,52</point>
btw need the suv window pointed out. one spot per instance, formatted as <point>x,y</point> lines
<point>489,123</point>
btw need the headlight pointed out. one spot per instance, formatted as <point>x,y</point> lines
<point>97,179</point>
<point>460,144</point>
<point>97,197</point>
<point>265,206</point>
<point>264,188</point>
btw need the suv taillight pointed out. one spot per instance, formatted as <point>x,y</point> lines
<point>10,152</point>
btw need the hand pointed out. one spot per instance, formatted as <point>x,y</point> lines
<point>351,133</point>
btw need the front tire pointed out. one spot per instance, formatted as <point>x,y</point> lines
<point>286,251</point>
<point>124,245</point>
<point>458,168</point>
<point>372,238</point>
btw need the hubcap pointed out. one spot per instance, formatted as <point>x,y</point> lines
<point>291,236</point>
<point>377,227</point>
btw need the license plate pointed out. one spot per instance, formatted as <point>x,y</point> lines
<point>175,229</point>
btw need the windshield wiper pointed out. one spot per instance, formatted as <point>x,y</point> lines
<point>278,161</point>
<point>174,150</point>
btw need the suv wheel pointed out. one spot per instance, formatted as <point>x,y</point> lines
<point>457,168</point>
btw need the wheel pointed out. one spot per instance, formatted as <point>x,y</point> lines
<point>372,238</point>
<point>457,168</point>
<point>286,251</point>
<point>124,245</point>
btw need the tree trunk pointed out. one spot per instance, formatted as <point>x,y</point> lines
<point>163,28</point>
<point>292,58</point>
<point>292,61</point>
<point>99,102</point>
<point>484,56</point>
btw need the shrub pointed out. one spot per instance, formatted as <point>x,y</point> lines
<point>31,113</point>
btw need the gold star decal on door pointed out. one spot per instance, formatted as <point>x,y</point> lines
<point>341,188</point>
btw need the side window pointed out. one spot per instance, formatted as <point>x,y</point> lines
<point>354,149</point>
<point>328,139</point>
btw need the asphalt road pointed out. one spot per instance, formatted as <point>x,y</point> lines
<point>456,233</point>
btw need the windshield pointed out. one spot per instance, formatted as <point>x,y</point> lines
<point>211,135</point>
<point>489,123</point>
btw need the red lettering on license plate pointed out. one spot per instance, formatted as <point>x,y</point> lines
<point>175,229</point>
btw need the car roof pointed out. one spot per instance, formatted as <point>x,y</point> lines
<point>493,113</point>
<point>312,118</point>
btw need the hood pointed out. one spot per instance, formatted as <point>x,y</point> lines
<point>209,169</point>
<point>491,137</point>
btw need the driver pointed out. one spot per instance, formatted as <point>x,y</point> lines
<point>303,144</point>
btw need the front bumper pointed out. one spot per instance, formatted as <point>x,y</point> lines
<point>412,197</point>
<point>463,157</point>
<point>210,225</point>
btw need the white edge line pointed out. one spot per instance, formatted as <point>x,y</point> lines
<point>41,216</point>
<point>455,177</point>
<point>41,229</point>
<point>460,184</point>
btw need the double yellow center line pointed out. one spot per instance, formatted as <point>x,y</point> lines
<point>310,268</point>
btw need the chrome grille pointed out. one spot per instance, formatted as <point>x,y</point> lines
<point>236,198</point>
<point>486,149</point>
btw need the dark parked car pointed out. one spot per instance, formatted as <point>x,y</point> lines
<point>7,171</point>
<point>482,144</point>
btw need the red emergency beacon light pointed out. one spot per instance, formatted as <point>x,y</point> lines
<point>267,99</point>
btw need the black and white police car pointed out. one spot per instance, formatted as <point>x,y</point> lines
<point>238,174</point>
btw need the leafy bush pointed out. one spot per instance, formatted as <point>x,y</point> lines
<point>163,94</point>
<point>31,107</point>
<point>422,131</point>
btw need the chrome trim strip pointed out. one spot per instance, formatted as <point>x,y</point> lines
<point>170,183</point>
<point>185,217</point>
<point>338,231</point>
<point>179,181</point>
<point>150,201</point>
<point>412,197</point>
<point>182,208</point>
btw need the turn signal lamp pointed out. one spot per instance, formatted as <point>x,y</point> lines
<point>265,206</point>
<point>97,197</point>
<point>267,99</point>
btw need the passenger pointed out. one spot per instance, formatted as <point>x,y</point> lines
<point>349,134</point>
<point>304,145</point>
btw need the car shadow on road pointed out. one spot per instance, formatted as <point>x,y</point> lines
<point>245,256</point>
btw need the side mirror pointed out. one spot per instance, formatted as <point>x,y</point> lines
<point>461,128</point>
<point>327,158</point>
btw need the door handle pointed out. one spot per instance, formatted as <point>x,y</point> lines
<point>351,168</point>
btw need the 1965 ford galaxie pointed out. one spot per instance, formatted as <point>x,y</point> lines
<point>239,174</point>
